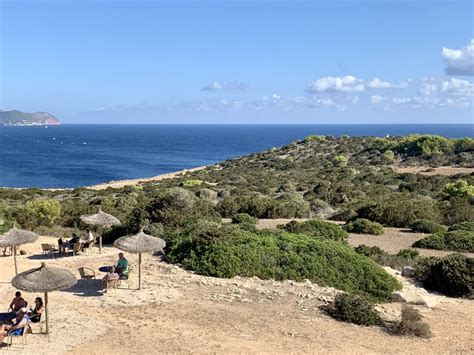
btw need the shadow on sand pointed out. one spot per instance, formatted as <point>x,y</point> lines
<point>86,288</point>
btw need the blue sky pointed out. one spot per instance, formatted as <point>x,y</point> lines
<point>239,62</point>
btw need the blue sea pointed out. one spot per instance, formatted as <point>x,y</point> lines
<point>81,155</point>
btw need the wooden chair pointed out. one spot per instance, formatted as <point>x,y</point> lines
<point>110,285</point>
<point>22,337</point>
<point>127,278</point>
<point>76,249</point>
<point>49,249</point>
<point>41,323</point>
<point>86,273</point>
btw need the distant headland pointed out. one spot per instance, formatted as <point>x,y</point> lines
<point>19,118</point>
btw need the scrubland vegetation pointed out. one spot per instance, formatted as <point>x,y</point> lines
<point>321,177</point>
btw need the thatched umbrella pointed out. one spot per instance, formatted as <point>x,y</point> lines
<point>44,279</point>
<point>100,219</point>
<point>138,244</point>
<point>15,237</point>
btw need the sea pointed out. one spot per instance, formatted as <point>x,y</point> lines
<point>69,156</point>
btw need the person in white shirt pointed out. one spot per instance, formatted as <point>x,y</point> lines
<point>89,237</point>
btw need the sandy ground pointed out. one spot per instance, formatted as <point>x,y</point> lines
<point>426,170</point>
<point>180,312</point>
<point>121,183</point>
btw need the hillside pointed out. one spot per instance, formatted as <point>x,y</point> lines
<point>19,118</point>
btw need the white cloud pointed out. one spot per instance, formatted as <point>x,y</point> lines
<point>376,83</point>
<point>225,85</point>
<point>377,99</point>
<point>459,61</point>
<point>346,84</point>
<point>432,93</point>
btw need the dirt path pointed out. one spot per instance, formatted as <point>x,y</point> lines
<point>426,170</point>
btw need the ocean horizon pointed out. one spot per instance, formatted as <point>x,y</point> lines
<point>76,155</point>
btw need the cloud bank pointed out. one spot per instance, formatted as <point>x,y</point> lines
<point>225,85</point>
<point>459,61</point>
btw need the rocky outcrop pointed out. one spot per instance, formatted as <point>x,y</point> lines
<point>19,118</point>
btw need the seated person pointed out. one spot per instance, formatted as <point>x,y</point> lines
<point>35,313</point>
<point>62,245</point>
<point>122,267</point>
<point>17,303</point>
<point>18,326</point>
<point>89,238</point>
<point>110,276</point>
<point>75,239</point>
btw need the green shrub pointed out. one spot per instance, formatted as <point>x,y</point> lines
<point>460,188</point>
<point>369,250</point>
<point>457,240</point>
<point>412,324</point>
<point>408,253</point>
<point>463,226</point>
<point>244,218</point>
<point>354,309</point>
<point>405,257</point>
<point>364,226</point>
<point>426,226</point>
<point>452,275</point>
<point>229,251</point>
<point>401,210</point>
<point>320,229</point>
<point>41,213</point>
<point>192,183</point>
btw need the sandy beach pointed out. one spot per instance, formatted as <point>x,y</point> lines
<point>181,312</point>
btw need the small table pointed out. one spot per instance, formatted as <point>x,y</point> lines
<point>7,316</point>
<point>105,268</point>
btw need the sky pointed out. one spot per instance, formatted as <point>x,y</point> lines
<point>239,61</point>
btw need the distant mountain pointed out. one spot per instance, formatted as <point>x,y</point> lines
<point>18,118</point>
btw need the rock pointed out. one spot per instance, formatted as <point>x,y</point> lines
<point>408,271</point>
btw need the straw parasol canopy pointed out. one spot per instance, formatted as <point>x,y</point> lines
<point>138,244</point>
<point>44,279</point>
<point>15,237</point>
<point>100,219</point>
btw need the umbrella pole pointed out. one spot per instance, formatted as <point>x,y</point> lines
<point>46,311</point>
<point>140,271</point>
<point>100,244</point>
<point>14,259</point>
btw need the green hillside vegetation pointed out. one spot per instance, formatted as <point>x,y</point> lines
<point>229,251</point>
<point>341,178</point>
<point>457,240</point>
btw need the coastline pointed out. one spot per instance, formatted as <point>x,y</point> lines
<point>117,184</point>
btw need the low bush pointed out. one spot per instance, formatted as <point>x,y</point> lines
<point>408,253</point>
<point>405,257</point>
<point>364,226</point>
<point>412,324</point>
<point>463,226</point>
<point>321,229</point>
<point>426,226</point>
<point>452,275</point>
<point>229,251</point>
<point>244,218</point>
<point>354,309</point>
<point>457,240</point>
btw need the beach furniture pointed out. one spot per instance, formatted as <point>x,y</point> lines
<point>44,279</point>
<point>86,273</point>
<point>16,237</point>
<point>49,249</point>
<point>22,337</point>
<point>138,244</point>
<point>76,249</point>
